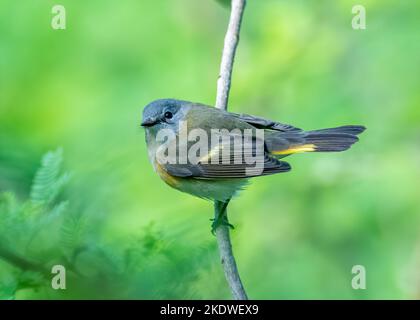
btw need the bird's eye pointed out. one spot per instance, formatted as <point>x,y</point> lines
<point>168,115</point>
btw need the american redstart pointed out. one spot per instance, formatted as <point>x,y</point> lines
<point>211,153</point>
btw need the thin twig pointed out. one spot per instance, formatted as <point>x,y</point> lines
<point>227,258</point>
<point>223,87</point>
<point>228,56</point>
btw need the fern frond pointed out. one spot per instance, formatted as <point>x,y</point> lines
<point>71,232</point>
<point>58,210</point>
<point>48,181</point>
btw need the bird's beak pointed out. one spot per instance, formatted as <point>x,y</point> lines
<point>149,122</point>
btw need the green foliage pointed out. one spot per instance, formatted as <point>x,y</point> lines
<point>42,231</point>
<point>25,225</point>
<point>48,182</point>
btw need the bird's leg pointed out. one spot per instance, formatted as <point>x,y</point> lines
<point>220,217</point>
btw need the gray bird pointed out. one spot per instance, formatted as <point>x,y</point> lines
<point>219,181</point>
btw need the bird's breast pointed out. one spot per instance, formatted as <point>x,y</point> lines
<point>165,176</point>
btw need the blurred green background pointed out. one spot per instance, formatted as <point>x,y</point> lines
<point>123,233</point>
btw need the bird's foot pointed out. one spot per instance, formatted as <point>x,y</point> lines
<point>220,217</point>
<point>220,221</point>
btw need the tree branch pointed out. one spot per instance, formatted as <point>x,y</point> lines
<point>223,87</point>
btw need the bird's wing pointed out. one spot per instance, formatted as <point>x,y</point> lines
<point>225,161</point>
<point>263,123</point>
<point>227,171</point>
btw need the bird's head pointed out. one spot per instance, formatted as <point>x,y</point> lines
<point>163,114</point>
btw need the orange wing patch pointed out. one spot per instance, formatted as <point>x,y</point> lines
<point>165,176</point>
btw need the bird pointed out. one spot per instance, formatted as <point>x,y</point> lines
<point>209,175</point>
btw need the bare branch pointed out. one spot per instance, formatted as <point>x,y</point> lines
<point>228,259</point>
<point>223,87</point>
<point>228,56</point>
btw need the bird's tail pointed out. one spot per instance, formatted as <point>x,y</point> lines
<point>324,140</point>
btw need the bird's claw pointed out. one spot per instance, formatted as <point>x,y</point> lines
<point>220,221</point>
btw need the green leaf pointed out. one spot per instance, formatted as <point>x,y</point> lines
<point>72,232</point>
<point>48,181</point>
